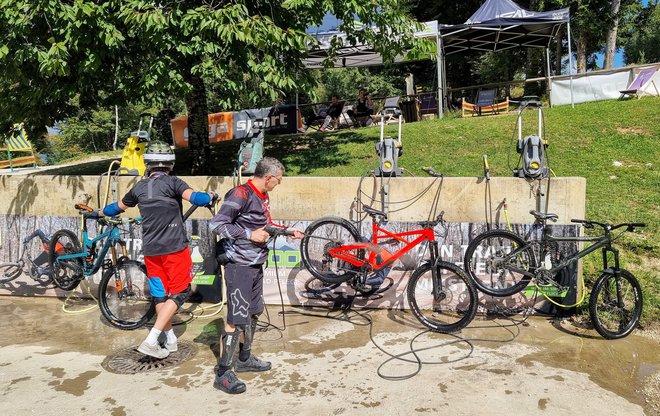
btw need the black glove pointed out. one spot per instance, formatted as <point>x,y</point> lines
<point>94,214</point>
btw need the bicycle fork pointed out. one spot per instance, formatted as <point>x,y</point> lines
<point>438,293</point>
<point>119,284</point>
<point>616,272</point>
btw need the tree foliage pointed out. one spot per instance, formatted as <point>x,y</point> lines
<point>112,52</point>
<point>641,35</point>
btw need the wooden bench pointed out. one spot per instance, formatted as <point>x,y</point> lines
<point>18,161</point>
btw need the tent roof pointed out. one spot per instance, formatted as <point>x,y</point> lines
<point>353,56</point>
<point>502,24</point>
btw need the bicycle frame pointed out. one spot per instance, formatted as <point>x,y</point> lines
<point>112,236</point>
<point>603,241</point>
<point>345,252</point>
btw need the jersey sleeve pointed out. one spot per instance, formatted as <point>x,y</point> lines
<point>179,186</point>
<point>130,199</point>
<point>224,222</point>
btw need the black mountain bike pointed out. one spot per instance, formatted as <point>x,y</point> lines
<point>502,263</point>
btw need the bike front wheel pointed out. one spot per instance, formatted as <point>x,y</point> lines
<point>616,316</point>
<point>321,236</point>
<point>447,305</point>
<point>66,273</point>
<point>494,261</point>
<point>124,295</point>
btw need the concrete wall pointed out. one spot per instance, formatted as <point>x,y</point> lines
<point>308,198</point>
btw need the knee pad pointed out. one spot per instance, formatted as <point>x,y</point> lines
<point>159,299</point>
<point>181,297</point>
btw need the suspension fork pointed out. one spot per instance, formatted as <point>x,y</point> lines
<point>435,275</point>
<point>115,260</point>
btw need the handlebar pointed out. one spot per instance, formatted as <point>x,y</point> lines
<point>431,171</point>
<point>431,224</point>
<point>275,231</point>
<point>609,227</point>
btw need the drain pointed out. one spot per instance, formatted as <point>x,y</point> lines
<point>130,361</point>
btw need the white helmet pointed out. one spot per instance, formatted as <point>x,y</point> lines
<point>159,154</point>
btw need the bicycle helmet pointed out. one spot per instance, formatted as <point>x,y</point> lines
<point>159,154</point>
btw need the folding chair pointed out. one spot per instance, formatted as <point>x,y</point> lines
<point>317,122</point>
<point>641,83</point>
<point>18,142</point>
<point>485,103</point>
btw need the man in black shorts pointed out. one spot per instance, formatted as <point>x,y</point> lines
<point>244,214</point>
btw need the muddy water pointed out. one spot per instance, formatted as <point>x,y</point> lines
<point>321,351</point>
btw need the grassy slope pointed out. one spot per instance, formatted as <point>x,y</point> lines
<point>584,141</point>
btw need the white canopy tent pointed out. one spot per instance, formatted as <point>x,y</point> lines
<point>497,25</point>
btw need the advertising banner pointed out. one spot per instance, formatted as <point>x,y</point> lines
<point>220,128</point>
<point>284,274</point>
<point>242,124</point>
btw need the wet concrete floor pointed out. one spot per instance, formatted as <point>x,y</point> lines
<point>325,363</point>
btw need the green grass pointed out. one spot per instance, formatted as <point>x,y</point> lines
<point>584,141</point>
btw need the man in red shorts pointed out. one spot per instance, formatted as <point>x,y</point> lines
<point>165,244</point>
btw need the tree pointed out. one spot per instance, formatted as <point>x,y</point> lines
<point>640,37</point>
<point>610,47</point>
<point>110,51</point>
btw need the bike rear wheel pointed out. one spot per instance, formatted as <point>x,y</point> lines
<point>323,235</point>
<point>124,297</point>
<point>611,318</point>
<point>66,273</point>
<point>9,271</point>
<point>489,263</point>
<point>456,303</point>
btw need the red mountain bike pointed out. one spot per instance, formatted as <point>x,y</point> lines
<point>439,293</point>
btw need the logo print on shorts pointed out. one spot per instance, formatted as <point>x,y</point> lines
<point>240,304</point>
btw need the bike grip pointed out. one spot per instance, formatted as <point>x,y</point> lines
<point>638,224</point>
<point>83,207</point>
<point>578,221</point>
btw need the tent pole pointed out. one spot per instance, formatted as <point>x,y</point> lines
<point>440,75</point>
<point>547,68</point>
<point>570,62</point>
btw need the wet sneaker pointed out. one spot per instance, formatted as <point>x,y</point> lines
<point>229,383</point>
<point>155,351</point>
<point>252,364</point>
<point>172,347</point>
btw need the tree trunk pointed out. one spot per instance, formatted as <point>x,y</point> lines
<point>198,127</point>
<point>610,48</point>
<point>116,138</point>
<point>581,53</point>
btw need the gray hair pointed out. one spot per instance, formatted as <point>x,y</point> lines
<point>268,166</point>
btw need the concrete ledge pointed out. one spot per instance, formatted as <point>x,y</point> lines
<point>463,199</point>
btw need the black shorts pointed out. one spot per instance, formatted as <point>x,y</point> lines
<point>245,292</point>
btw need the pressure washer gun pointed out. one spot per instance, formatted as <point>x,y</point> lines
<point>276,231</point>
<point>431,171</point>
<point>486,168</point>
<point>211,206</point>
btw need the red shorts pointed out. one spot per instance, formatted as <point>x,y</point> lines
<point>174,271</point>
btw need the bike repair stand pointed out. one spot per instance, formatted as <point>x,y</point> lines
<point>533,162</point>
<point>388,150</point>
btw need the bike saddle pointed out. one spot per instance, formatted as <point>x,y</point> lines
<point>543,217</point>
<point>373,212</point>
